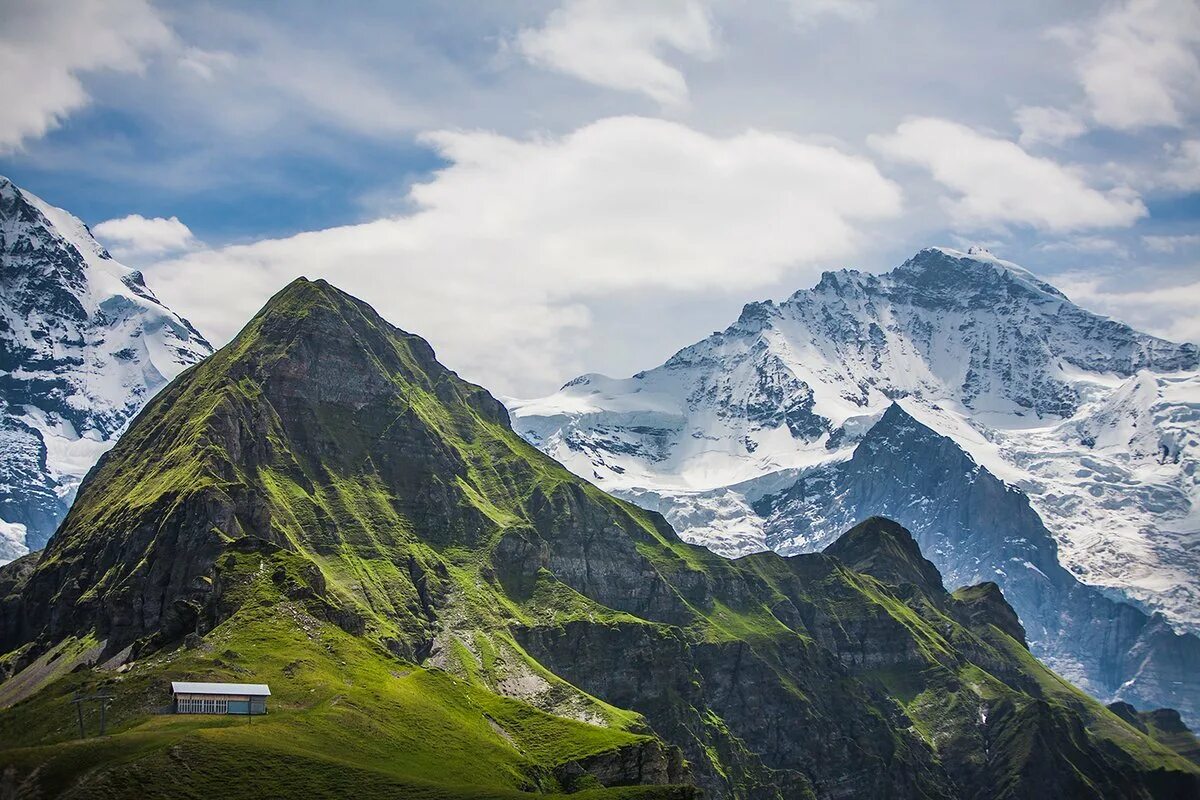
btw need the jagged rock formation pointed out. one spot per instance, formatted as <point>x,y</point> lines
<point>323,505</point>
<point>83,344</point>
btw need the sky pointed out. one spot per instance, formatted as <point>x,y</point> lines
<point>543,189</point>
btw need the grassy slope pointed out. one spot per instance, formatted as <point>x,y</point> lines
<point>962,674</point>
<point>339,703</point>
<point>345,715</point>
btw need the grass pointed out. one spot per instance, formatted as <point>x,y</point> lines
<point>343,714</point>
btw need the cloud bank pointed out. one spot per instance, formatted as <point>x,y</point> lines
<point>510,243</point>
<point>1138,65</point>
<point>620,44</point>
<point>996,183</point>
<point>138,235</point>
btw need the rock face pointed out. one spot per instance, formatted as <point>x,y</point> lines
<point>650,763</point>
<point>325,467</point>
<point>83,345</point>
<point>1022,439</point>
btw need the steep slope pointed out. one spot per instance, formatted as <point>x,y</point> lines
<point>1094,421</point>
<point>83,344</point>
<point>442,609</point>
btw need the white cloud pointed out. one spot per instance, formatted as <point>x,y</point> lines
<point>1183,171</point>
<point>46,46</point>
<point>511,243</point>
<point>1166,311</point>
<point>998,183</point>
<point>619,44</point>
<point>1137,62</point>
<point>139,235</point>
<point>1049,125</point>
<point>1095,245</point>
<point>1170,244</point>
<point>206,64</point>
<point>851,10</point>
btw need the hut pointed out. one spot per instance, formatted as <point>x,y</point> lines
<point>219,698</point>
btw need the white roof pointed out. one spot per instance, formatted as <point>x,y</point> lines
<point>252,689</point>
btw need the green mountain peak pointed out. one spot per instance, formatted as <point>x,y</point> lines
<point>884,549</point>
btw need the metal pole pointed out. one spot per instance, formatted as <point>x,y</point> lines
<point>103,709</point>
<point>79,712</point>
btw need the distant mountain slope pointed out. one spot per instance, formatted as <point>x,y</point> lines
<point>83,344</point>
<point>1096,424</point>
<point>443,611</point>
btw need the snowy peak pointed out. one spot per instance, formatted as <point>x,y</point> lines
<point>789,384</point>
<point>47,249</point>
<point>39,255</point>
<point>965,329</point>
<point>957,277</point>
<point>756,317</point>
<point>84,343</point>
<point>939,276</point>
<point>1021,438</point>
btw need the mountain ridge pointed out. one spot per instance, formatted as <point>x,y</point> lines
<point>968,521</point>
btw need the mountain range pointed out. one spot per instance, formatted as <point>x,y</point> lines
<point>443,611</point>
<point>84,343</point>
<point>1023,439</point>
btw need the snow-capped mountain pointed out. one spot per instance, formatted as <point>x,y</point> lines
<point>83,345</point>
<point>1096,424</point>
